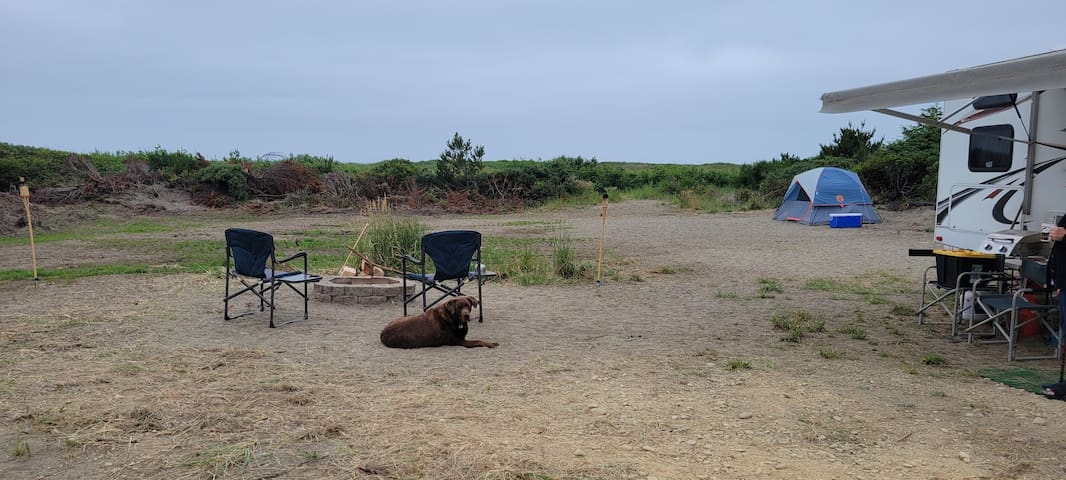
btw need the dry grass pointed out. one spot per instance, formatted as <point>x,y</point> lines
<point>139,377</point>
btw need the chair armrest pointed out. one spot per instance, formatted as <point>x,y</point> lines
<point>411,259</point>
<point>293,257</point>
<point>989,280</point>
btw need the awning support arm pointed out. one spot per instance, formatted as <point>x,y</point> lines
<point>955,128</point>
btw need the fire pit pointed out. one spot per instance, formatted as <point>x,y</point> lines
<point>360,290</point>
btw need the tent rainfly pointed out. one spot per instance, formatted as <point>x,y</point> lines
<point>817,193</point>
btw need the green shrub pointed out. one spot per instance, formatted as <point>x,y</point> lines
<point>395,170</point>
<point>320,165</point>
<point>110,163</point>
<point>40,167</point>
<point>225,177</point>
<point>172,164</point>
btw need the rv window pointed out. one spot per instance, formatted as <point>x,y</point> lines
<point>988,153</point>
<point>995,101</point>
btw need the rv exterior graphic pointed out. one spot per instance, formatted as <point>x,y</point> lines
<point>1002,172</point>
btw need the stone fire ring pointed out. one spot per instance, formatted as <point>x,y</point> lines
<point>360,290</point>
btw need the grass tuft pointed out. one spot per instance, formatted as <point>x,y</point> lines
<point>736,364</point>
<point>829,353</point>
<point>853,331</point>
<point>22,449</point>
<point>218,460</point>
<point>933,359</point>
<point>796,324</point>
<point>768,287</point>
<point>563,257</point>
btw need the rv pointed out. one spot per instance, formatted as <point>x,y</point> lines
<point>1002,174</point>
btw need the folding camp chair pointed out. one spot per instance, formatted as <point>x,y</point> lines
<point>456,258</point>
<point>955,272</point>
<point>1009,312</point>
<point>250,260</point>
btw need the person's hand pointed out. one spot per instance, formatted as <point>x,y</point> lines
<point>1056,233</point>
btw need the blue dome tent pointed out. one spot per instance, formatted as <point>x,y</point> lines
<point>817,193</point>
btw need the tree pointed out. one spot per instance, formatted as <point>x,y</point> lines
<point>460,164</point>
<point>852,143</point>
<point>905,171</point>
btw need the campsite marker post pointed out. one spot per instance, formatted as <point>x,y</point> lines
<point>24,192</point>
<point>603,226</point>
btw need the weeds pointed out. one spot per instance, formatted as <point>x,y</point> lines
<point>872,285</point>
<point>825,285</point>
<point>829,353</point>
<point>736,364</point>
<point>768,287</point>
<point>796,324</point>
<point>853,331</point>
<point>668,270</point>
<point>933,359</point>
<point>528,267</point>
<point>563,257</point>
<point>390,236</point>
<point>901,311</point>
<point>22,449</point>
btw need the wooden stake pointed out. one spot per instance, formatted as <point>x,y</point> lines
<point>603,227</point>
<point>24,192</point>
<point>352,249</point>
<point>382,267</point>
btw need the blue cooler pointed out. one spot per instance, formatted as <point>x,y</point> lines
<point>845,220</point>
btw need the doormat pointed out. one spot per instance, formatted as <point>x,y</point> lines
<point>1024,378</point>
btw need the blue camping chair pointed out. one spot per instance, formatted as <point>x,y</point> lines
<point>250,260</point>
<point>456,258</point>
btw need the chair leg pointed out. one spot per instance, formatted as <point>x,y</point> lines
<point>225,300</point>
<point>480,303</point>
<point>272,290</point>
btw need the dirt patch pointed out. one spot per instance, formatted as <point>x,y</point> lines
<point>645,377</point>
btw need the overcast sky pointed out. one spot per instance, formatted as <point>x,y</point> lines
<point>364,81</point>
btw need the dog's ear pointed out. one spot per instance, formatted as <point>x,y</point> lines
<point>448,309</point>
<point>472,301</point>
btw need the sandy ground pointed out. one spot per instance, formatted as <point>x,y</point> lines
<point>139,377</point>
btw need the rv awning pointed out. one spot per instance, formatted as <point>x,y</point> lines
<point>1021,75</point>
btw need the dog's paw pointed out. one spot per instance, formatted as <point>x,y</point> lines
<point>492,344</point>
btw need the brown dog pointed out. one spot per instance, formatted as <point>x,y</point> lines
<point>445,324</point>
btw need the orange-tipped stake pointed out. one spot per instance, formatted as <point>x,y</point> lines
<point>603,227</point>
<point>24,192</point>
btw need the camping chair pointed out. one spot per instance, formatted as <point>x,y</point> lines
<point>1010,313</point>
<point>250,260</point>
<point>955,273</point>
<point>453,253</point>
